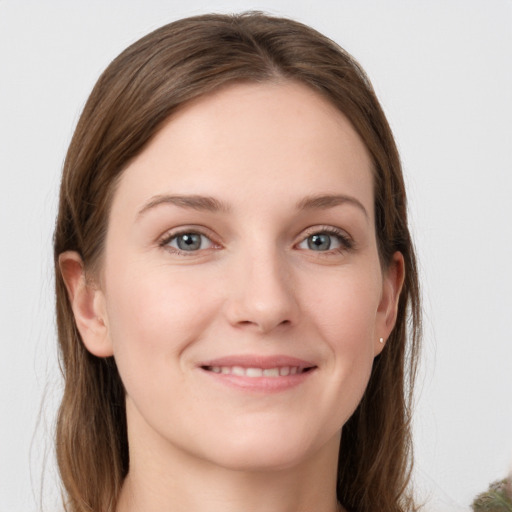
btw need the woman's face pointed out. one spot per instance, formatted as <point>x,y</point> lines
<point>241,292</point>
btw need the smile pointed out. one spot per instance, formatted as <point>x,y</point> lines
<point>259,374</point>
<point>240,371</point>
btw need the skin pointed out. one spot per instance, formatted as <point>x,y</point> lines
<point>257,286</point>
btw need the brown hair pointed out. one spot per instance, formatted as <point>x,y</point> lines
<point>140,89</point>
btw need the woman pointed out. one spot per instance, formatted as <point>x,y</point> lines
<point>234,274</point>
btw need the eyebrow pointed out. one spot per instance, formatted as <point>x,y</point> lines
<point>211,204</point>
<point>195,202</point>
<point>323,202</point>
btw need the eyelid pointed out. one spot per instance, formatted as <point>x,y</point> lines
<point>164,240</point>
<point>347,241</point>
<point>345,238</point>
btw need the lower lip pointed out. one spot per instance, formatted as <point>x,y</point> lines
<point>260,384</point>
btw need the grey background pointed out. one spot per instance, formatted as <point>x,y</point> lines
<point>442,70</point>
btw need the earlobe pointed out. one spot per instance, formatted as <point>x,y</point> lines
<point>88,304</point>
<point>392,284</point>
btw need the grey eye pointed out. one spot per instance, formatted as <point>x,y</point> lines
<point>189,242</point>
<point>325,241</point>
<point>319,242</point>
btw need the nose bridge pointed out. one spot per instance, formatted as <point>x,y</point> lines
<point>262,294</point>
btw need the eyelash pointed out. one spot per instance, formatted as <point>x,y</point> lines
<point>345,241</point>
<point>167,239</point>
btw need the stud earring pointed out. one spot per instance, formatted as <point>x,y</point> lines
<point>381,340</point>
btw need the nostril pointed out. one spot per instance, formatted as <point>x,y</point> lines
<point>262,324</point>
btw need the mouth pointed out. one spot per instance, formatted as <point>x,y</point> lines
<point>255,372</point>
<point>259,373</point>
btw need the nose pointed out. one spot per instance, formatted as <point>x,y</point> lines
<point>261,294</point>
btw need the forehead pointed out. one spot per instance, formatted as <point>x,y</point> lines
<point>248,141</point>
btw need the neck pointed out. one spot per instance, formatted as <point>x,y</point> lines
<point>163,478</point>
<point>228,492</point>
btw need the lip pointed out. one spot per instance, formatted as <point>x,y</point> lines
<point>261,384</point>
<point>258,361</point>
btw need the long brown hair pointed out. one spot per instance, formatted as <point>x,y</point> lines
<point>139,90</point>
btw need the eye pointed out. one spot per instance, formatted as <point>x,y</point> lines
<point>326,240</point>
<point>188,242</point>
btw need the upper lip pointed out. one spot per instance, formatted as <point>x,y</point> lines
<point>257,361</point>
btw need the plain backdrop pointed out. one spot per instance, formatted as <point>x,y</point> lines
<point>443,71</point>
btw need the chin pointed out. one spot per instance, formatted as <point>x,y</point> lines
<point>262,460</point>
<point>262,451</point>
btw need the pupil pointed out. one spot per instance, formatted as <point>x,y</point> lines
<point>189,242</point>
<point>319,242</point>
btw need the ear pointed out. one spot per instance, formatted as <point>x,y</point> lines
<point>392,282</point>
<point>88,304</point>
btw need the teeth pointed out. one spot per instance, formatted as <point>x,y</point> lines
<point>238,370</point>
<point>282,371</point>
<point>254,372</point>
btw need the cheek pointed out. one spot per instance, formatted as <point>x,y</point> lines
<point>345,314</point>
<point>154,316</point>
<point>345,307</point>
